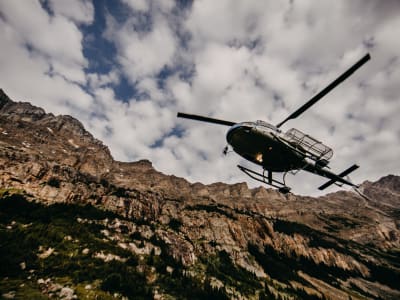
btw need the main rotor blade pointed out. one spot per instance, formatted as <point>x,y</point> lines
<point>205,119</point>
<point>326,90</point>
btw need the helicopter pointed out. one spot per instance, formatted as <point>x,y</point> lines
<point>268,146</point>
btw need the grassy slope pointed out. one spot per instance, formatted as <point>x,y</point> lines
<point>28,229</point>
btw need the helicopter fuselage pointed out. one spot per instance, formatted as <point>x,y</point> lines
<point>261,143</point>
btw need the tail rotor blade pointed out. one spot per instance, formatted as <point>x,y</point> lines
<point>205,119</point>
<point>326,90</point>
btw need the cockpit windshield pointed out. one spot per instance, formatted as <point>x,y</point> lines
<point>264,124</point>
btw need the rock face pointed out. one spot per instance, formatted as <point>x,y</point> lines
<point>337,246</point>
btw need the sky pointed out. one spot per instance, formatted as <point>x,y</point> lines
<point>124,68</point>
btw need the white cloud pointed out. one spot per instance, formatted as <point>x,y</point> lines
<point>56,39</point>
<point>147,55</point>
<point>224,21</point>
<point>219,67</point>
<point>142,52</point>
<point>25,76</point>
<point>96,80</point>
<point>139,5</point>
<point>81,11</point>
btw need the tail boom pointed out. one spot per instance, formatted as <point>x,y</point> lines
<point>332,176</point>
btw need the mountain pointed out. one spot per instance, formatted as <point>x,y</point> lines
<point>75,223</point>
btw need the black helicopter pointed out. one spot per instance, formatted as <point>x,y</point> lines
<point>266,145</point>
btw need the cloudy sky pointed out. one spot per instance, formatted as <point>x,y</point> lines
<point>125,68</point>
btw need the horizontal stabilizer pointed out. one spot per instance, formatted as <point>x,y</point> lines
<point>344,173</point>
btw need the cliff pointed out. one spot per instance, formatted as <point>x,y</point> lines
<point>234,241</point>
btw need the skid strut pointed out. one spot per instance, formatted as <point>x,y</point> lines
<point>281,186</point>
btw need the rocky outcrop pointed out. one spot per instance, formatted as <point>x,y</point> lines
<point>353,240</point>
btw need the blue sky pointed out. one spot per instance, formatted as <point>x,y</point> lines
<point>125,68</point>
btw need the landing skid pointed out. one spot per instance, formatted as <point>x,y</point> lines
<point>281,186</point>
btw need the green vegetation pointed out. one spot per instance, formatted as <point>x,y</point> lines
<point>9,191</point>
<point>285,270</point>
<point>62,243</point>
<point>222,267</point>
<point>67,248</point>
<point>54,182</point>
<point>175,224</point>
<point>28,229</point>
<point>119,192</point>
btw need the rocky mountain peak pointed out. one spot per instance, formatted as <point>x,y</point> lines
<point>56,138</point>
<point>22,110</point>
<point>389,182</point>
